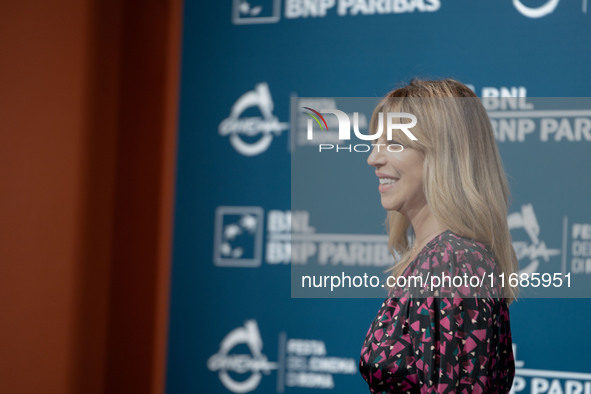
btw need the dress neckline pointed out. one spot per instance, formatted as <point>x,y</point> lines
<point>428,244</point>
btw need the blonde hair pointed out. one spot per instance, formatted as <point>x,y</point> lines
<point>463,177</point>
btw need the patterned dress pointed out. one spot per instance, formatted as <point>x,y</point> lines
<point>441,344</point>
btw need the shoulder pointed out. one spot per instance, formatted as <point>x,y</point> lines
<point>450,254</point>
<point>463,253</point>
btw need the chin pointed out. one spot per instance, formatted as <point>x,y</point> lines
<point>389,206</point>
<point>392,207</point>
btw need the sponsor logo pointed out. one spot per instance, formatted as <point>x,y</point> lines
<point>514,116</point>
<point>303,363</point>
<point>548,125</point>
<point>238,241</point>
<point>290,238</point>
<point>237,126</point>
<point>238,236</point>
<point>269,11</point>
<point>319,8</point>
<point>247,12</point>
<point>545,381</point>
<point>505,91</point>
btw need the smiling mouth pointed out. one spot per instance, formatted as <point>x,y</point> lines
<point>387,181</point>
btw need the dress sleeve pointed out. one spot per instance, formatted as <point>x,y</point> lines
<point>455,345</point>
<point>461,342</point>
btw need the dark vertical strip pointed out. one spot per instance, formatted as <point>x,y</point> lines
<point>140,247</point>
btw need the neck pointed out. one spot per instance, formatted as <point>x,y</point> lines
<point>425,226</point>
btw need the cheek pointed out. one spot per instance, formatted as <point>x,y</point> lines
<point>418,173</point>
<point>407,162</point>
<point>414,168</point>
<point>402,159</point>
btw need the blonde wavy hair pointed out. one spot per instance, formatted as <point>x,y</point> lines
<point>465,184</point>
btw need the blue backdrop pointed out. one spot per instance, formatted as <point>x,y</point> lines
<point>233,324</point>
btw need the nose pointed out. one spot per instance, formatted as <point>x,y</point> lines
<point>376,157</point>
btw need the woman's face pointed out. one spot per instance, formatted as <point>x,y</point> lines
<point>400,175</point>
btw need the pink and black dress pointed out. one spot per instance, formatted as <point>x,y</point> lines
<point>440,344</point>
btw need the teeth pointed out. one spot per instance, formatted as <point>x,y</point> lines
<point>387,181</point>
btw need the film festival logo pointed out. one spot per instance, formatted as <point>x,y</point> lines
<point>252,135</point>
<point>536,12</point>
<point>238,237</point>
<point>535,249</point>
<point>546,8</point>
<point>344,130</point>
<point>224,362</point>
<point>301,363</point>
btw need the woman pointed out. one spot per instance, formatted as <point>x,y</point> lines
<point>449,191</point>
